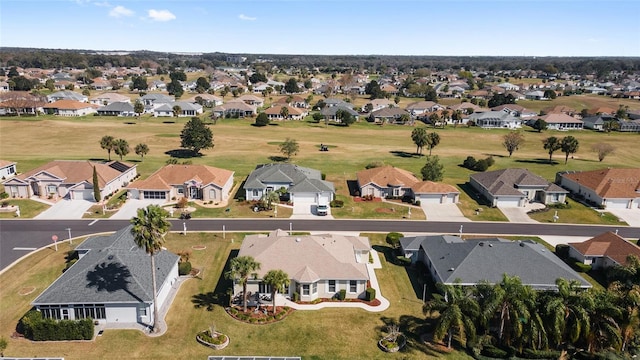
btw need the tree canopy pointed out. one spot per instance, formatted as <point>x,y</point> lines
<point>432,170</point>
<point>196,136</point>
<point>289,148</point>
<point>512,141</point>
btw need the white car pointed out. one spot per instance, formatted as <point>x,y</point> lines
<point>322,210</point>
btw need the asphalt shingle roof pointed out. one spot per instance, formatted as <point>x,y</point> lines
<point>287,174</point>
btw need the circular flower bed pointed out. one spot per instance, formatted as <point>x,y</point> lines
<point>27,290</point>
<point>198,247</point>
<point>390,344</point>
<point>218,341</point>
<point>263,316</point>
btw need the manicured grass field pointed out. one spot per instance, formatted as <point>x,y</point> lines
<point>28,208</point>
<point>324,334</point>
<point>577,214</point>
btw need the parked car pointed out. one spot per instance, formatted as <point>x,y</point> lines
<point>322,210</point>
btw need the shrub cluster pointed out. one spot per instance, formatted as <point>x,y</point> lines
<point>478,165</point>
<point>581,267</point>
<point>393,239</point>
<point>34,327</point>
<point>336,203</point>
<point>402,260</point>
<point>370,294</point>
<point>184,268</point>
<point>342,294</point>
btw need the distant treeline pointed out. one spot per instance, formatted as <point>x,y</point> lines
<point>53,58</point>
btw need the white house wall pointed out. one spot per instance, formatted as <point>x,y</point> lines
<point>121,313</point>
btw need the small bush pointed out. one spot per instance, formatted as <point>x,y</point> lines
<point>4,195</point>
<point>494,352</point>
<point>562,251</point>
<point>416,203</point>
<point>336,203</point>
<point>240,198</point>
<point>370,294</point>
<point>374,164</point>
<point>478,165</point>
<point>323,176</point>
<point>182,203</point>
<point>469,162</point>
<point>342,294</point>
<point>184,268</point>
<point>581,267</point>
<point>296,297</point>
<point>393,239</point>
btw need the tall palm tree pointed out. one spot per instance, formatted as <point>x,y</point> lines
<point>149,228</point>
<point>433,139</point>
<point>509,302</point>
<point>604,331</point>
<point>457,311</point>
<point>551,144</point>
<point>278,280</point>
<point>568,312</point>
<point>569,145</point>
<point>240,269</point>
<point>628,299</point>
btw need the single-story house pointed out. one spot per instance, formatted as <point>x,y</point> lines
<point>206,100</point>
<point>7,169</point>
<point>421,107</point>
<point>561,121</point>
<point>110,283</point>
<point>108,98</point>
<point>331,102</point>
<point>304,185</point>
<point>294,113</point>
<point>69,108</point>
<point>390,115</point>
<point>429,192</point>
<point>293,100</point>
<point>628,125</point>
<point>252,100</point>
<point>516,187</point>
<point>597,122</point>
<point>329,112</point>
<point>234,108</point>
<point>152,101</point>
<point>611,188</point>
<point>67,95</point>
<point>377,104</point>
<point>495,119</point>
<point>71,179</point>
<point>319,266</point>
<point>195,182</point>
<point>603,251</point>
<point>535,95</point>
<point>117,109</point>
<point>187,109</point>
<point>385,181</point>
<point>450,260</point>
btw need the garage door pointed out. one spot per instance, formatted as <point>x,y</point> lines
<point>304,203</point>
<point>507,202</point>
<point>430,198</point>
<point>617,203</point>
<point>85,194</point>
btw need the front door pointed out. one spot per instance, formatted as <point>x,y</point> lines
<point>195,193</point>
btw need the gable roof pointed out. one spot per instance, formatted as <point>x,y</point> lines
<point>169,175</point>
<point>286,174</point>
<point>430,187</point>
<point>609,183</point>
<point>73,172</point>
<point>421,105</point>
<point>67,94</point>
<point>555,118</point>
<point>117,106</point>
<point>385,176</point>
<point>308,258</point>
<point>395,112</point>
<point>608,245</point>
<point>488,259</point>
<point>111,97</point>
<point>5,163</point>
<point>69,105</point>
<point>275,110</point>
<point>113,270</point>
<point>505,182</point>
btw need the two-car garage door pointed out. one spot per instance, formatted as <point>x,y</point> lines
<point>617,203</point>
<point>507,202</point>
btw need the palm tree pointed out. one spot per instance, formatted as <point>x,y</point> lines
<point>605,331</point>
<point>510,302</point>
<point>551,144</point>
<point>278,280</point>
<point>628,299</point>
<point>419,137</point>
<point>240,269</point>
<point>433,139</point>
<point>107,143</point>
<point>569,145</point>
<point>457,311</point>
<point>568,312</point>
<point>149,228</point>
<point>284,112</point>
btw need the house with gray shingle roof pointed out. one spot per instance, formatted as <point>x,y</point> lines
<point>304,186</point>
<point>319,266</point>
<point>119,108</point>
<point>110,282</point>
<point>67,95</point>
<point>516,187</point>
<point>451,260</point>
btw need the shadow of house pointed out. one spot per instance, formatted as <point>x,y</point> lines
<point>474,195</point>
<point>352,185</point>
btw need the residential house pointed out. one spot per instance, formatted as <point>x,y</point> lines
<point>560,121</point>
<point>628,125</point>
<point>101,84</point>
<point>108,98</point>
<point>602,110</point>
<point>293,100</point>
<point>187,109</point>
<point>429,192</point>
<point>495,119</point>
<point>515,188</point>
<point>7,169</point>
<point>390,115</point>
<point>389,89</point>
<point>67,95</point>
<point>595,90</point>
<point>4,86</point>
<point>331,102</point>
<point>69,108</point>
<point>603,251</point>
<point>234,109</point>
<point>535,95</point>
<point>421,107</point>
<point>207,100</point>
<point>20,102</point>
<point>559,109</point>
<point>71,179</point>
<point>509,86</point>
<point>252,100</point>
<point>304,186</point>
<point>450,260</point>
<point>319,266</point>
<point>157,85</point>
<point>117,109</point>
<point>194,182</point>
<point>330,112</point>
<point>378,104</point>
<point>152,101</point>
<point>597,122</point>
<point>385,182</point>
<point>516,110</point>
<point>110,283</point>
<point>275,112</point>
<point>609,188</point>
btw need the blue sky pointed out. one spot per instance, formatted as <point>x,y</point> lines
<point>329,27</point>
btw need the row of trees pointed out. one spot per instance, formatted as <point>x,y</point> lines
<point>121,147</point>
<point>513,315</point>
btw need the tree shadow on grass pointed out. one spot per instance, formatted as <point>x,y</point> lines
<point>404,154</point>
<point>496,155</point>
<point>182,153</point>
<point>537,161</point>
<point>412,328</point>
<point>221,294</point>
<point>277,158</point>
<point>473,194</point>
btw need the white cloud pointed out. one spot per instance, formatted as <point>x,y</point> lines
<point>120,11</point>
<point>102,4</point>
<point>246,18</point>
<point>161,15</point>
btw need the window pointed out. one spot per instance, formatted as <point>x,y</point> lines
<point>154,195</point>
<point>353,286</point>
<point>180,190</point>
<point>332,286</point>
<point>255,193</point>
<point>89,311</point>
<point>51,189</point>
<point>315,288</point>
<point>143,310</point>
<point>264,288</point>
<point>396,191</point>
<point>212,195</point>
<point>305,289</point>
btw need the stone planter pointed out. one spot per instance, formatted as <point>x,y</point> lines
<point>204,342</point>
<point>387,345</point>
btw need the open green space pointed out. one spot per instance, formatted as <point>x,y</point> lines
<point>323,334</point>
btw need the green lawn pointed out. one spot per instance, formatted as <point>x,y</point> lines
<point>324,334</point>
<point>28,208</point>
<point>577,214</point>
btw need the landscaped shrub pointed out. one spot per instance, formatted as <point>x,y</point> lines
<point>342,294</point>
<point>416,203</point>
<point>469,162</point>
<point>370,294</point>
<point>34,327</point>
<point>560,206</point>
<point>581,267</point>
<point>240,198</point>
<point>562,251</point>
<point>182,203</point>
<point>393,239</point>
<point>494,352</point>
<point>478,165</point>
<point>296,297</point>
<point>184,268</point>
<point>4,195</point>
<point>402,260</point>
<point>540,354</point>
<point>336,203</point>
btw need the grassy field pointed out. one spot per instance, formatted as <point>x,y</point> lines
<point>324,334</point>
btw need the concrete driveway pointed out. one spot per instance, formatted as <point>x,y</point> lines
<point>66,209</point>
<point>631,216</point>
<point>519,214</point>
<point>443,212</point>
<point>130,208</point>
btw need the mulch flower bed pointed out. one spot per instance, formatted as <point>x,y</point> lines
<point>26,290</point>
<point>259,317</point>
<point>198,247</point>
<point>385,210</point>
<point>374,302</point>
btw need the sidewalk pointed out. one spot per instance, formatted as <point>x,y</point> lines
<point>384,303</point>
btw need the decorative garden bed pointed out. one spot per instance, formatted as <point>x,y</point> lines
<point>262,316</point>
<point>218,341</point>
<point>374,302</point>
<point>391,344</point>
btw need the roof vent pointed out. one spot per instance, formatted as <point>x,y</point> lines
<point>298,239</point>
<point>521,244</point>
<point>490,245</point>
<point>481,243</point>
<point>451,269</point>
<point>110,257</point>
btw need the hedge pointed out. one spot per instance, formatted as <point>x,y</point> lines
<point>36,328</point>
<point>342,294</point>
<point>184,268</point>
<point>581,267</point>
<point>562,251</point>
<point>336,203</point>
<point>370,294</point>
<point>494,352</point>
<point>540,354</point>
<point>393,239</point>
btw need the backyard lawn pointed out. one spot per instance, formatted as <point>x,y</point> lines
<point>323,334</point>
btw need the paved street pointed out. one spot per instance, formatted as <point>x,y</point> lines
<point>66,209</point>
